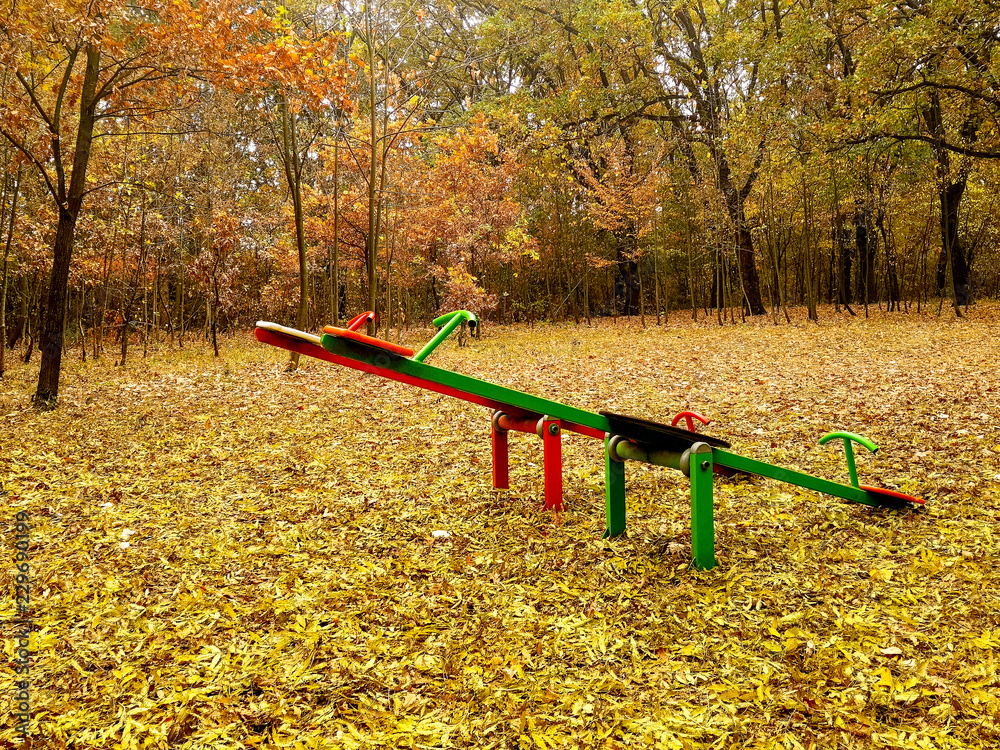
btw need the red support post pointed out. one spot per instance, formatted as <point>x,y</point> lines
<point>501,462</point>
<point>552,450</point>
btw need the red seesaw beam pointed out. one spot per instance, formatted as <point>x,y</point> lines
<point>286,338</point>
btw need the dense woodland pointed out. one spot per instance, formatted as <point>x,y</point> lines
<point>171,170</point>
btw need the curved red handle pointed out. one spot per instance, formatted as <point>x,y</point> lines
<point>359,320</point>
<point>690,416</point>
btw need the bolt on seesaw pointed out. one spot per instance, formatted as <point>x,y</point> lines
<point>697,456</point>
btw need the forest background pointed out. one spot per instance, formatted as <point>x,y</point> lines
<point>177,169</point>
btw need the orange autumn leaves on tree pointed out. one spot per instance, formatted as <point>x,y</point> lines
<point>147,62</point>
<point>467,218</point>
<point>74,72</point>
<point>453,217</point>
<point>623,195</point>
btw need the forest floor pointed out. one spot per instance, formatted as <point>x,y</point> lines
<point>227,556</point>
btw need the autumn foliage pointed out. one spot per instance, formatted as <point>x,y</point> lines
<point>550,163</point>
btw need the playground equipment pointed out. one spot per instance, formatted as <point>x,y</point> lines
<point>697,456</point>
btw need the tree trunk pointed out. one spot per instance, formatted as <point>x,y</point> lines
<point>47,393</point>
<point>51,343</point>
<point>180,314</point>
<point>891,265</point>
<point>335,270</point>
<point>867,243</point>
<point>6,257</point>
<point>950,197</point>
<point>79,323</point>
<point>371,251</point>
<point>214,312</point>
<point>656,286</point>
<point>293,174</point>
<point>627,282</point>
<point>953,271</point>
<point>736,209</point>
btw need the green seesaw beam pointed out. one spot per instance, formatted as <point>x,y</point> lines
<point>789,476</point>
<point>463,386</point>
<point>636,440</point>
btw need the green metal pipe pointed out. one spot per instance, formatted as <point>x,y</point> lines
<point>626,449</point>
<point>472,389</point>
<point>614,490</point>
<point>448,323</point>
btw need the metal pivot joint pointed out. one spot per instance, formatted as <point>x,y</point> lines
<point>696,462</point>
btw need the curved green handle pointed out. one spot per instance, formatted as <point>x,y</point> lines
<point>447,323</point>
<point>848,438</point>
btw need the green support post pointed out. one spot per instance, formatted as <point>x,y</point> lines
<point>699,458</point>
<point>614,491</point>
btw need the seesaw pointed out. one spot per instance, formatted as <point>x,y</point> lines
<point>696,455</point>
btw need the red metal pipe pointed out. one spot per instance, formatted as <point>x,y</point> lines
<point>529,425</point>
<point>359,320</point>
<point>689,416</point>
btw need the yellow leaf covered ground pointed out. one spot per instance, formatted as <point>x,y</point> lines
<point>226,556</point>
